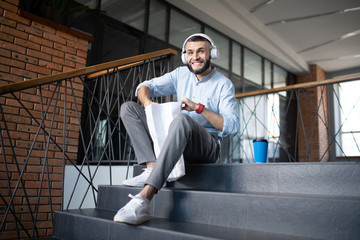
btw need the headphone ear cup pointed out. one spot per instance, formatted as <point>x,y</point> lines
<point>214,53</point>
<point>183,58</point>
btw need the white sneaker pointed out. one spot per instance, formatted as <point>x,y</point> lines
<point>138,181</point>
<point>136,211</point>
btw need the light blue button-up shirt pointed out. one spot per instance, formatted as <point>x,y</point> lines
<point>214,90</point>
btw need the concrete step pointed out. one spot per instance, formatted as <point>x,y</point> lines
<point>87,224</point>
<point>309,216</point>
<point>329,179</point>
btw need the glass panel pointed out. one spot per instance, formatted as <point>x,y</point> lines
<point>252,66</point>
<point>157,20</point>
<point>273,124</point>
<point>181,27</point>
<point>279,77</point>
<point>347,123</point>
<point>118,44</point>
<point>250,86</point>
<point>350,105</point>
<point>236,58</point>
<point>126,11</point>
<point>350,143</point>
<point>222,44</point>
<point>267,73</point>
<point>236,80</point>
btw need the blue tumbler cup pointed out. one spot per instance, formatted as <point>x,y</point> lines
<point>260,150</point>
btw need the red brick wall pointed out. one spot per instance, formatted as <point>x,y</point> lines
<point>312,137</point>
<point>32,47</point>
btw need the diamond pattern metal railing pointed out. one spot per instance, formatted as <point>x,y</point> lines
<point>303,122</point>
<point>68,119</point>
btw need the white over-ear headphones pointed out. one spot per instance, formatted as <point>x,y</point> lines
<point>214,54</point>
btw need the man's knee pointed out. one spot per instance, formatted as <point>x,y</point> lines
<point>181,121</point>
<point>127,107</point>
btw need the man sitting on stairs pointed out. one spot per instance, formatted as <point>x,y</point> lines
<point>209,113</point>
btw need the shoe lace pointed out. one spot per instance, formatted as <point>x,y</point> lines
<point>136,200</point>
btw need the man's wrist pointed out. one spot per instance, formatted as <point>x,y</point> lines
<point>200,108</point>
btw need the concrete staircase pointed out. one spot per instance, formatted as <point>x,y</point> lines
<point>244,201</point>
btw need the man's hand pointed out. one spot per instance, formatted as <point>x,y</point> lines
<point>215,119</point>
<point>189,105</point>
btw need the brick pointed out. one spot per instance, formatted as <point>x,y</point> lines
<point>14,2</point>
<point>13,32</point>
<point>53,52</point>
<point>6,37</point>
<point>7,22</point>
<point>54,38</point>
<point>15,103</point>
<point>17,18</point>
<point>81,54</point>
<point>58,60</point>
<point>4,68</point>
<point>64,48</point>
<point>64,62</point>
<point>20,27</point>
<point>10,110</point>
<point>33,31</point>
<point>23,73</point>
<point>27,44</point>
<point>5,53</point>
<point>19,136</point>
<point>68,69</point>
<point>39,55</point>
<point>8,6</point>
<point>11,62</point>
<point>38,69</point>
<point>28,144</point>
<point>12,47</point>
<point>50,65</point>
<point>67,36</point>
<point>84,42</point>
<point>43,27</point>
<point>24,58</point>
<point>77,46</point>
<point>80,65</point>
<point>34,169</point>
<point>40,41</point>
<point>18,119</point>
<point>75,58</point>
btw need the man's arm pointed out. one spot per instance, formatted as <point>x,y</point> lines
<point>213,118</point>
<point>144,96</point>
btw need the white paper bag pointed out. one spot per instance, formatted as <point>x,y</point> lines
<point>159,118</point>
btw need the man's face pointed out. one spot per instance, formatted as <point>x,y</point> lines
<point>198,56</point>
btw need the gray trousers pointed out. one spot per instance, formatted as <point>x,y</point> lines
<point>185,136</point>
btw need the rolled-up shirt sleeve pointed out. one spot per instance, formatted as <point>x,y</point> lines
<point>229,110</point>
<point>160,86</point>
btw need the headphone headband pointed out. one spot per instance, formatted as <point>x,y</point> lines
<point>214,51</point>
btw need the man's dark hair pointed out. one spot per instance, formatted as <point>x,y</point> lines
<point>198,39</point>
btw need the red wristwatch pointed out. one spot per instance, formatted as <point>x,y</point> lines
<point>200,108</point>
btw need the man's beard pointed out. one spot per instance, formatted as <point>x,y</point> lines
<point>201,70</point>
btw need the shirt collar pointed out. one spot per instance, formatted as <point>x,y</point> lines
<point>207,77</point>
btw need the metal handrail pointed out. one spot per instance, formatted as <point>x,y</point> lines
<point>299,86</point>
<point>125,62</point>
